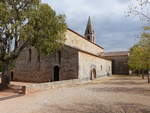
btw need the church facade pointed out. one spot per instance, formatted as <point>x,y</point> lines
<point>80,58</point>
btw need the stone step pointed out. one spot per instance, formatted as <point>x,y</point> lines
<point>16,89</point>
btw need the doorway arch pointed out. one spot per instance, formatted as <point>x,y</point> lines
<point>12,75</point>
<point>93,74</point>
<point>56,73</point>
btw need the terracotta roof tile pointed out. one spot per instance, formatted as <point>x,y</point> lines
<point>117,53</point>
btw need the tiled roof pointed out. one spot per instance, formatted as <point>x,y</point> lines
<point>88,53</point>
<point>117,53</point>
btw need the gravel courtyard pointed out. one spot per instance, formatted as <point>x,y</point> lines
<point>110,95</point>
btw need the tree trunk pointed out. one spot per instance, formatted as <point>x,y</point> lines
<point>39,59</point>
<point>138,72</point>
<point>148,78</point>
<point>5,77</point>
<point>142,74</point>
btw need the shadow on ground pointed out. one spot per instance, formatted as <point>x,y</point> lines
<point>6,94</point>
<point>127,78</point>
<point>134,90</point>
<point>97,108</point>
<point>113,82</point>
<point>10,97</point>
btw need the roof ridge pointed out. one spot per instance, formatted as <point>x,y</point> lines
<point>84,38</point>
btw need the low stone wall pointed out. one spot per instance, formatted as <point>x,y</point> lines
<point>43,86</point>
<point>49,85</point>
<point>26,89</point>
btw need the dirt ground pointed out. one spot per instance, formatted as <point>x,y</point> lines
<point>117,94</point>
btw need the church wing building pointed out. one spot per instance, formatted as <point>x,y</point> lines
<point>80,58</point>
<point>119,62</point>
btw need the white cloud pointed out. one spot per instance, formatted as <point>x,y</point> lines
<point>74,8</point>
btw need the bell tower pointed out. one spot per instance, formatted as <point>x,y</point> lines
<point>89,32</point>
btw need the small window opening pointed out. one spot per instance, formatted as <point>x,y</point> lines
<point>30,54</point>
<point>88,37</point>
<point>59,56</point>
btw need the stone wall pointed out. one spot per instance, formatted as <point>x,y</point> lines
<point>31,70</point>
<point>69,64</point>
<point>49,85</point>
<point>119,64</point>
<point>76,41</point>
<point>88,62</point>
<point>67,59</point>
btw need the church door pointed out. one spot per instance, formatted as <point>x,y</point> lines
<point>56,73</point>
<point>12,75</point>
<point>93,74</point>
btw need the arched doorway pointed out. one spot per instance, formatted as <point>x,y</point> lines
<point>12,75</point>
<point>93,74</point>
<point>56,73</point>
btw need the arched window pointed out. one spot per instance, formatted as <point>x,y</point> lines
<point>109,68</point>
<point>88,37</point>
<point>101,67</point>
<point>59,56</point>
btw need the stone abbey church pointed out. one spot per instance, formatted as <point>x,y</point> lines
<point>80,58</point>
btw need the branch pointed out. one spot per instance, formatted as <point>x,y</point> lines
<point>24,5</point>
<point>18,51</point>
<point>141,13</point>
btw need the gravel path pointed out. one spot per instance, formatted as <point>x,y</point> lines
<point>117,95</point>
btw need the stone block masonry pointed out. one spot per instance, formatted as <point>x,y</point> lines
<point>91,67</point>
<point>31,88</point>
<point>66,59</point>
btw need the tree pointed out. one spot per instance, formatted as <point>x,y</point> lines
<point>135,61</point>
<point>26,23</point>
<point>145,43</point>
<point>141,8</point>
<point>139,58</point>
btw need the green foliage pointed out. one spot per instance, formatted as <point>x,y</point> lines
<point>136,58</point>
<point>146,27</point>
<point>47,29</point>
<point>139,58</point>
<point>26,23</point>
<point>145,43</point>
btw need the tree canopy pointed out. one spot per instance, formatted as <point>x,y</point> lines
<point>136,58</point>
<point>139,8</point>
<point>140,54</point>
<point>139,58</point>
<point>25,23</point>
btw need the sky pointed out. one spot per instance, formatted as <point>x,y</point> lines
<point>114,30</point>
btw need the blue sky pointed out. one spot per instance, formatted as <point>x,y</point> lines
<point>114,31</point>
